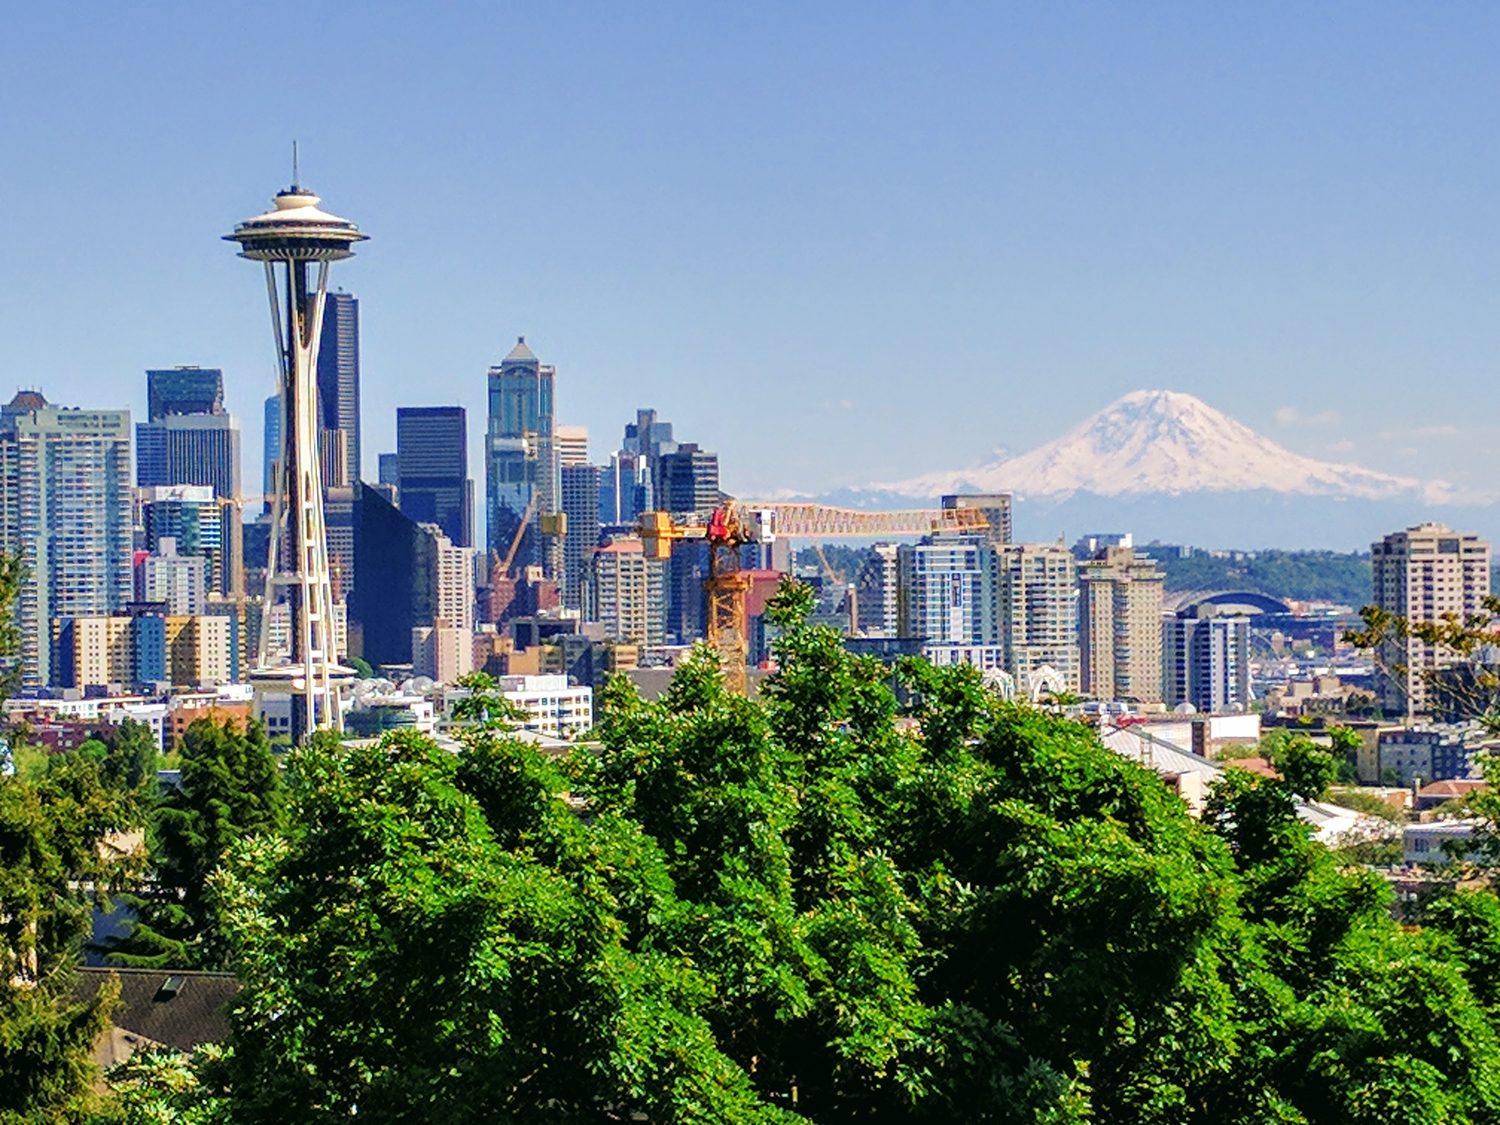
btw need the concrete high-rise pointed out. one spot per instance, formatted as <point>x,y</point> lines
<point>1205,659</point>
<point>1119,626</point>
<point>65,512</point>
<point>1421,574</point>
<point>338,380</point>
<point>522,469</point>
<point>629,595</point>
<point>1037,624</point>
<point>432,468</point>
<point>443,575</point>
<point>288,240</point>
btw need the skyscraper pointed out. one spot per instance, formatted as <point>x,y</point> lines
<point>1119,626</point>
<point>65,511</point>
<point>1421,574</point>
<point>580,501</point>
<point>338,377</point>
<point>689,480</point>
<point>190,449</point>
<point>877,592</point>
<point>270,447</point>
<point>184,390</point>
<point>1034,588</point>
<point>432,468</point>
<point>522,472</point>
<point>188,438</point>
<point>443,578</point>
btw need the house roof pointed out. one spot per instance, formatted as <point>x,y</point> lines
<point>181,1017</point>
<point>1454,788</point>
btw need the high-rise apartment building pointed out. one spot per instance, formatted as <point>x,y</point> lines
<point>1119,626</point>
<point>180,582</point>
<point>184,390</point>
<point>432,469</point>
<point>580,502</point>
<point>338,377</point>
<point>996,508</point>
<point>689,480</point>
<point>65,511</point>
<point>629,595</point>
<point>1037,621</point>
<point>946,590</point>
<point>1205,659</point>
<point>522,470</point>
<point>1422,574</point>
<point>444,580</point>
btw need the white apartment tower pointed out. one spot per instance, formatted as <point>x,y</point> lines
<point>1422,574</point>
<point>446,574</point>
<point>1119,626</point>
<point>1035,587</point>
<point>878,592</point>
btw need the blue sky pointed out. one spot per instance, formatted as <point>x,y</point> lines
<point>834,242</point>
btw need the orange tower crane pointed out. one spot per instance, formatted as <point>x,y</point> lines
<point>736,523</point>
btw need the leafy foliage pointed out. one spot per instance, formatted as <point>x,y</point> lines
<point>814,907</point>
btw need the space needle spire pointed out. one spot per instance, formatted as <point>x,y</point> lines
<point>303,661</point>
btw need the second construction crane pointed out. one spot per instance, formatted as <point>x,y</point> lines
<point>734,524</point>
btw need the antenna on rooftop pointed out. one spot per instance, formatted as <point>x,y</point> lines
<point>296,175</point>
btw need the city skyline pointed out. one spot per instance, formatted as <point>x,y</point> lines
<point>1052,204</point>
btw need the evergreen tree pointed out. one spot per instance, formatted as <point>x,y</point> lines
<point>230,788</point>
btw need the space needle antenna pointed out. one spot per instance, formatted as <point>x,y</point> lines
<point>296,175</point>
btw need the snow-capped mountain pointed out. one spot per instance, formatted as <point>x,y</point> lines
<point>1166,443</point>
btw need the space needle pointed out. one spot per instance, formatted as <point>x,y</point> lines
<point>290,239</point>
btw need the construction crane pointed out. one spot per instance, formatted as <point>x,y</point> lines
<point>515,544</point>
<point>736,523</point>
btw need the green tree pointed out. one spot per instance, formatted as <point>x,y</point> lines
<point>50,830</point>
<point>230,788</point>
<point>815,907</point>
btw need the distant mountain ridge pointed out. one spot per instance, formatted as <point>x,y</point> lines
<point>1167,444</point>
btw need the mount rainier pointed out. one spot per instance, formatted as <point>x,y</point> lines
<point>1166,465</point>
<point>1167,443</point>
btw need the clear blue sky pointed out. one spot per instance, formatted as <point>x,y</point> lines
<point>834,242</point>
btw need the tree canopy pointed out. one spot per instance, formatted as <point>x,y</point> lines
<point>827,906</point>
